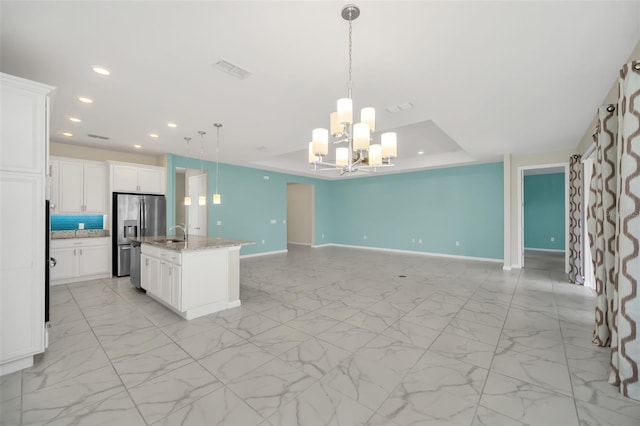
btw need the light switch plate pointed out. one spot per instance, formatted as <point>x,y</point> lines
<point>81,226</point>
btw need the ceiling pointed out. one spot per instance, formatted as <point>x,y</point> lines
<point>484,78</point>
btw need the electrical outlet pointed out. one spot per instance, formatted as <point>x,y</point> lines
<point>365,237</point>
<point>322,235</point>
<point>273,221</point>
<point>265,177</point>
<point>419,240</point>
<point>219,223</point>
<point>553,239</point>
<point>457,243</point>
<point>284,221</point>
<point>262,241</point>
<point>81,226</point>
<point>413,240</point>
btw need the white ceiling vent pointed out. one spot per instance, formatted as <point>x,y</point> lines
<point>231,69</point>
<point>400,107</point>
<point>104,138</point>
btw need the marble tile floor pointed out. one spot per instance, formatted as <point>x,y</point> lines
<point>328,336</point>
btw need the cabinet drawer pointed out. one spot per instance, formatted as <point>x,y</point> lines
<point>162,254</point>
<point>79,242</point>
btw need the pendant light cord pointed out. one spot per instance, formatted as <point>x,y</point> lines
<point>350,84</point>
<point>218,125</point>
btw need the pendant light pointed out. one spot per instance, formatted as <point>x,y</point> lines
<point>202,198</point>
<point>187,199</point>
<point>217,199</point>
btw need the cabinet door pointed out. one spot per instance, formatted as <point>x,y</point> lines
<point>95,187</point>
<point>94,260</point>
<point>176,288</point>
<point>166,281</point>
<point>150,274</point>
<point>67,263</point>
<point>71,187</point>
<point>151,180</point>
<point>125,178</point>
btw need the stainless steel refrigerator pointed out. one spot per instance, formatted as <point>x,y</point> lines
<point>134,215</point>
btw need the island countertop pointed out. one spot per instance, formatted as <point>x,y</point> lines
<point>194,242</point>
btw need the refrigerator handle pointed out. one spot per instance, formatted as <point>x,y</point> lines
<point>143,204</point>
<point>142,224</point>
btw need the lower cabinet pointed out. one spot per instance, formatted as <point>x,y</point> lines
<point>193,283</point>
<point>79,259</point>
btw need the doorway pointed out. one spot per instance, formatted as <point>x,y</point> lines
<point>543,214</point>
<point>192,183</point>
<point>300,216</point>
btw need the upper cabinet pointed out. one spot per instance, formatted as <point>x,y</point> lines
<point>24,142</point>
<point>78,186</point>
<point>127,177</point>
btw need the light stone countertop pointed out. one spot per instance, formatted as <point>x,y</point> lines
<point>79,233</point>
<point>195,242</point>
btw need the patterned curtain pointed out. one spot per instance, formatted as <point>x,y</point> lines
<point>614,232</point>
<point>601,222</point>
<point>576,274</point>
<point>625,337</point>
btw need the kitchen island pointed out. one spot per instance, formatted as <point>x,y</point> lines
<point>195,277</point>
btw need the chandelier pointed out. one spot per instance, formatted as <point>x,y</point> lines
<point>360,153</point>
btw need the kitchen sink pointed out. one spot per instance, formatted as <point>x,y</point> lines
<point>171,240</point>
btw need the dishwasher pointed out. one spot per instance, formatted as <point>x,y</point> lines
<point>135,264</point>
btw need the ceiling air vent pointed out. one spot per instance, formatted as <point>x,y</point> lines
<point>400,107</point>
<point>231,69</point>
<point>104,138</point>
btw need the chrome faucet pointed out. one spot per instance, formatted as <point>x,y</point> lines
<point>183,227</point>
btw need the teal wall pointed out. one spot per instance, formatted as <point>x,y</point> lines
<point>544,211</point>
<point>250,202</point>
<point>439,207</point>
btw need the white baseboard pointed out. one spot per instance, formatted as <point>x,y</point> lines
<point>544,250</point>
<point>233,304</point>
<point>321,245</point>
<point>298,244</point>
<point>423,253</point>
<point>506,268</point>
<point>266,253</point>
<point>516,266</point>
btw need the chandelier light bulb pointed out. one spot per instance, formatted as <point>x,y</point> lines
<point>320,139</point>
<point>368,115</point>
<point>342,157</point>
<point>361,137</point>
<point>389,142</point>
<point>345,111</point>
<point>187,201</point>
<point>336,128</point>
<point>375,155</point>
<point>216,199</point>
<point>202,200</point>
<point>312,158</point>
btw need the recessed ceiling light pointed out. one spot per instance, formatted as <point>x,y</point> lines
<point>67,134</point>
<point>85,100</point>
<point>101,70</point>
<point>75,119</point>
<point>154,135</point>
<point>172,125</point>
<point>136,146</point>
<point>421,152</point>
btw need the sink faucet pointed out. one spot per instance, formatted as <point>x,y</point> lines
<point>181,226</point>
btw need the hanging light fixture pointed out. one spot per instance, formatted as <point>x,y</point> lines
<point>187,199</point>
<point>360,154</point>
<point>217,199</point>
<point>202,199</point>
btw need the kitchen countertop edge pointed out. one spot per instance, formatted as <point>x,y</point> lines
<point>193,243</point>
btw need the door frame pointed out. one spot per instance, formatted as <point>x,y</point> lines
<point>520,189</point>
<point>312,208</point>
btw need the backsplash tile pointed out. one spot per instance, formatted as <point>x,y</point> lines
<point>70,222</point>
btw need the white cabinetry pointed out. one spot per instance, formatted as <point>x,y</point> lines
<point>127,177</point>
<point>79,259</point>
<point>193,283</point>
<point>82,186</point>
<point>24,144</point>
